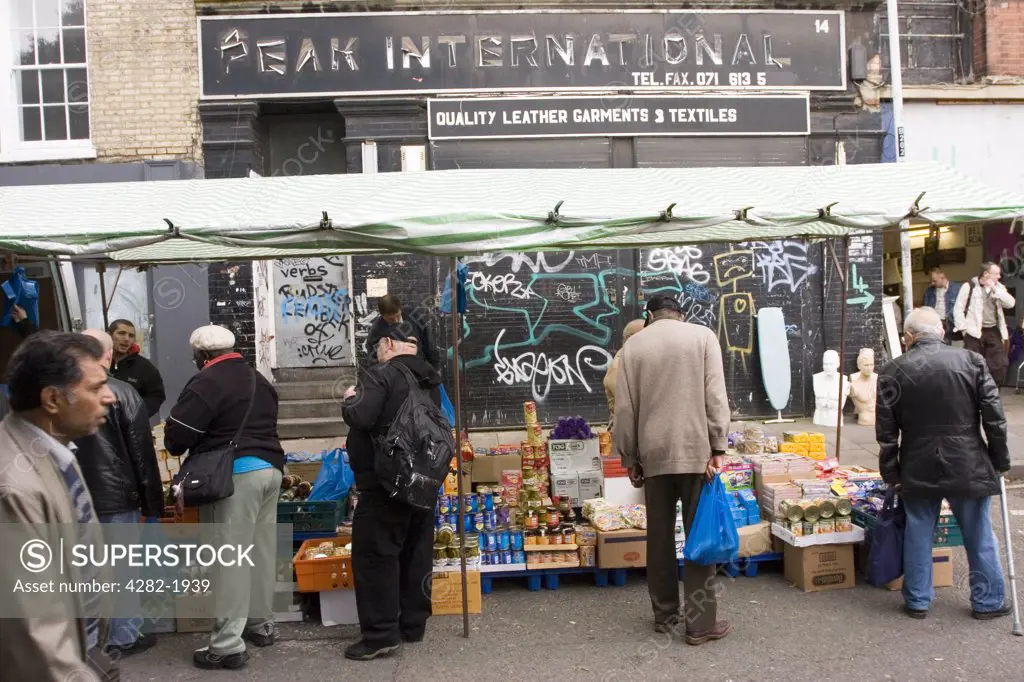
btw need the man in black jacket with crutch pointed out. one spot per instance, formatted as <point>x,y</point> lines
<point>934,401</point>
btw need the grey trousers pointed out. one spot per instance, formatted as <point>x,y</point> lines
<point>247,517</point>
<point>701,604</point>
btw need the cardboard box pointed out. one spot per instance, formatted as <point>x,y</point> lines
<point>488,468</point>
<point>446,593</point>
<point>755,539</point>
<point>307,471</point>
<point>591,485</point>
<point>194,612</point>
<point>820,567</point>
<point>566,485</point>
<point>942,570</point>
<point>622,549</point>
<point>575,455</point>
<point>849,537</point>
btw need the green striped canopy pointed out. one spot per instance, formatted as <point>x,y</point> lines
<point>472,211</point>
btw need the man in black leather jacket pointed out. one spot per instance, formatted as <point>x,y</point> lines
<point>933,404</point>
<point>121,471</point>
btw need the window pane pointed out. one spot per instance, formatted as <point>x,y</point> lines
<point>55,122</point>
<point>47,13</point>
<point>53,86</point>
<point>22,13</point>
<point>28,87</point>
<point>31,128</point>
<point>74,46</point>
<point>48,45</point>
<point>79,121</point>
<point>78,85</point>
<point>24,48</point>
<point>74,13</point>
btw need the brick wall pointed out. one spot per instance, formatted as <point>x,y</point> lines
<point>999,38</point>
<point>144,82</point>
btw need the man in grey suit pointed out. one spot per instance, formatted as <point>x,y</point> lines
<point>58,392</point>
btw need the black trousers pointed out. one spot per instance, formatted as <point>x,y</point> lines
<point>990,346</point>
<point>700,609</point>
<point>392,559</point>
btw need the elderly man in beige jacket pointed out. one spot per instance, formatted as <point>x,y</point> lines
<point>671,426</point>
<point>58,392</point>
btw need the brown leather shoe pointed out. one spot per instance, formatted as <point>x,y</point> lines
<point>720,630</point>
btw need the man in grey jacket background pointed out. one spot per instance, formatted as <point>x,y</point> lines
<point>671,428</point>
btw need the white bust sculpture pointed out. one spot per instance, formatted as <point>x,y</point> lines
<point>826,391</point>
<point>863,387</point>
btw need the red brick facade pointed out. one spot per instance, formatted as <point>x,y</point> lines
<point>999,38</point>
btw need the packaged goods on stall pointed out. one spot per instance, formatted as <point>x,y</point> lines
<point>588,556</point>
<point>738,476</point>
<point>605,443</point>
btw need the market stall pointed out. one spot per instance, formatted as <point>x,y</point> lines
<point>465,212</point>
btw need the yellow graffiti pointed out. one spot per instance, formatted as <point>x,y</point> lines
<point>733,266</point>
<point>736,322</point>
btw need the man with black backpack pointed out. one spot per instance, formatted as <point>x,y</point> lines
<point>392,531</point>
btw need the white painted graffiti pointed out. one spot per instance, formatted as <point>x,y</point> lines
<point>506,285</point>
<point>568,293</point>
<point>782,263</point>
<point>536,263</point>
<point>595,261</point>
<point>684,261</point>
<point>541,372</point>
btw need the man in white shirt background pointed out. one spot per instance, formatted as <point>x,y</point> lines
<point>978,314</point>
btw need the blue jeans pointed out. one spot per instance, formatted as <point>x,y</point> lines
<point>986,573</point>
<point>124,631</point>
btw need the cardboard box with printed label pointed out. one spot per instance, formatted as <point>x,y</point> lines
<point>622,549</point>
<point>488,468</point>
<point>566,485</point>
<point>819,567</point>
<point>446,593</point>
<point>591,485</point>
<point>942,570</point>
<point>574,455</point>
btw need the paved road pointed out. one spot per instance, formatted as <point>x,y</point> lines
<point>582,632</point>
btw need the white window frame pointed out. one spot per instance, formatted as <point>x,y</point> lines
<point>12,148</point>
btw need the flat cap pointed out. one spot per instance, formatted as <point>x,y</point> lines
<point>212,337</point>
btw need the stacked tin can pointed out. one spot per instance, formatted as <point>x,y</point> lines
<point>489,519</point>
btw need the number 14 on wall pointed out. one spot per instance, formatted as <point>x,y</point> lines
<point>821,25</point>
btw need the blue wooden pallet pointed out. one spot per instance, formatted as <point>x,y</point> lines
<point>550,578</point>
<point>747,565</point>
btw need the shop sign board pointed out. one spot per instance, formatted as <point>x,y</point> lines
<point>389,53</point>
<point>625,116</point>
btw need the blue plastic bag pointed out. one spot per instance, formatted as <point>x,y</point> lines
<point>335,477</point>
<point>712,538</point>
<point>885,561</point>
<point>447,407</point>
<point>22,291</point>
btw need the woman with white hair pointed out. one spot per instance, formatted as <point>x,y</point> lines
<point>226,398</point>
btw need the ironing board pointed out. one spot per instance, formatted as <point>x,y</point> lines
<point>773,350</point>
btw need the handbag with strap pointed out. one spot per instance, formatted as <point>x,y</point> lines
<point>885,560</point>
<point>206,477</point>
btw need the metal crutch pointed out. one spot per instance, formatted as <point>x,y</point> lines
<point>1009,558</point>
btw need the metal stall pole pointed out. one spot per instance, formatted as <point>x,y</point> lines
<point>457,404</point>
<point>896,88</point>
<point>842,339</point>
<point>101,270</point>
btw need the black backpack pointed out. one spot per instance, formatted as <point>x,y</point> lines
<point>412,460</point>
